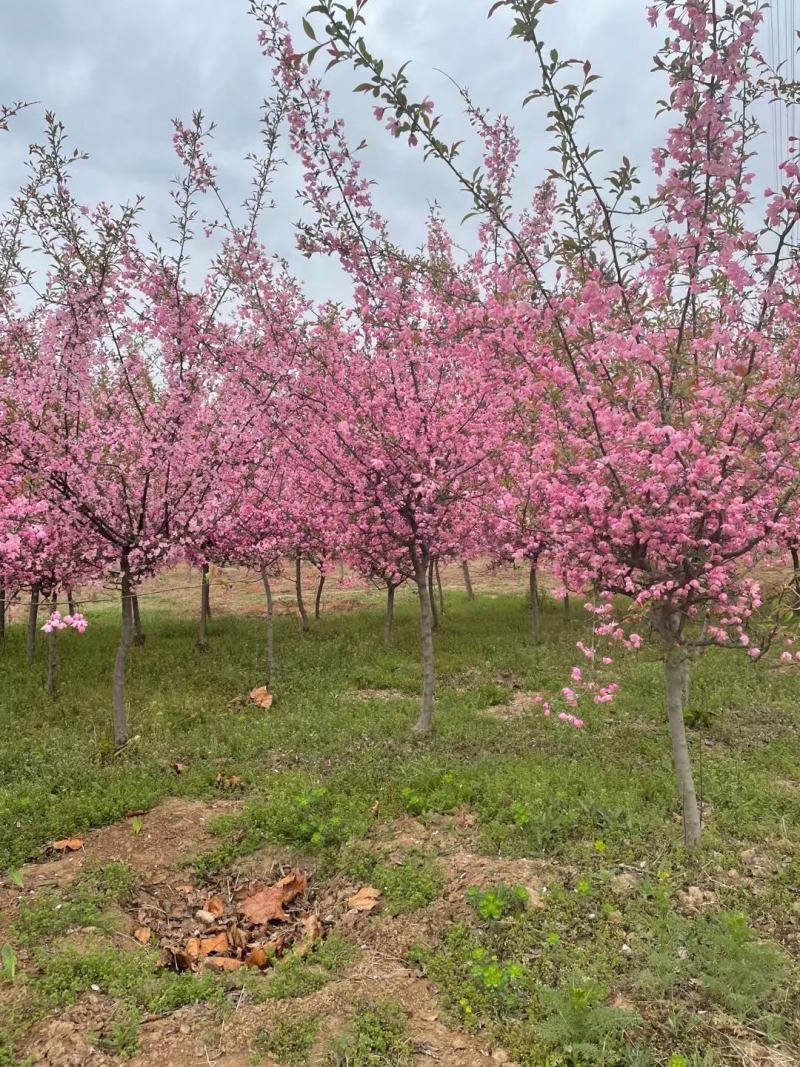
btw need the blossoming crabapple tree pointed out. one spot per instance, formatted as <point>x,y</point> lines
<point>668,324</point>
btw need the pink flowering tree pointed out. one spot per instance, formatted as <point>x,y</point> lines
<point>665,326</point>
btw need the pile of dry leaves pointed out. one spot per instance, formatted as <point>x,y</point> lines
<point>235,924</point>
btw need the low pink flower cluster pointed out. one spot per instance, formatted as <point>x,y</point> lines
<point>57,622</point>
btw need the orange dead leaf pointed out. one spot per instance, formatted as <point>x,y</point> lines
<point>261,696</point>
<point>177,958</point>
<point>217,943</point>
<point>143,934</point>
<point>310,931</point>
<point>215,906</point>
<point>222,963</point>
<point>225,781</point>
<point>192,949</point>
<point>367,899</point>
<point>179,768</point>
<point>69,844</point>
<point>266,904</point>
<point>258,957</point>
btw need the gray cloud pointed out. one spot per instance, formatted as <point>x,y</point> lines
<point>117,71</point>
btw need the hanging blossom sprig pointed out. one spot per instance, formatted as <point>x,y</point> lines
<point>58,622</point>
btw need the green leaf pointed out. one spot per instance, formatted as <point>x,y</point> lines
<point>309,30</point>
<point>15,877</point>
<point>8,963</point>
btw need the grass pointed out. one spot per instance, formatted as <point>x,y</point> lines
<point>632,974</point>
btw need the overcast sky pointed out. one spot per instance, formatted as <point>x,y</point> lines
<point>117,71</point>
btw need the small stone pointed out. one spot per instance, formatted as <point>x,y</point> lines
<point>205,917</point>
<point>626,950</point>
<point>500,1056</point>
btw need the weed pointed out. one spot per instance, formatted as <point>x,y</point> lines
<point>376,1037</point>
<point>289,1041</point>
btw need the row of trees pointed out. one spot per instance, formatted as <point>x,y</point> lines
<point>606,384</point>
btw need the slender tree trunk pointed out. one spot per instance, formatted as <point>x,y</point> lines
<point>125,638</point>
<point>2,613</point>
<point>298,584</point>
<point>796,569</point>
<point>33,616</point>
<point>676,673</point>
<point>686,683</point>
<point>533,584</point>
<point>202,640</point>
<point>52,651</point>
<point>467,580</point>
<point>138,632</point>
<point>422,574</point>
<point>434,614</point>
<point>439,587</point>
<point>566,607</point>
<point>318,597</point>
<point>341,570</point>
<point>388,622</point>
<point>71,608</point>
<point>270,641</point>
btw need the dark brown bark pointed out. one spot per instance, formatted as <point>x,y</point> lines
<point>71,608</point>
<point>566,607</point>
<point>434,614</point>
<point>388,621</point>
<point>138,632</point>
<point>2,613</point>
<point>318,597</point>
<point>126,636</point>
<point>439,588</point>
<point>202,630</point>
<point>33,616</point>
<point>533,586</point>
<point>796,582</point>
<point>298,585</point>
<point>467,580</point>
<point>422,574</point>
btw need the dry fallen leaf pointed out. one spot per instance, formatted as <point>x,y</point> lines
<point>222,963</point>
<point>179,768</point>
<point>217,943</point>
<point>177,958</point>
<point>366,899</point>
<point>224,781</point>
<point>215,906</point>
<point>310,931</point>
<point>69,844</point>
<point>192,949</point>
<point>143,934</point>
<point>261,696</point>
<point>258,957</point>
<point>266,904</point>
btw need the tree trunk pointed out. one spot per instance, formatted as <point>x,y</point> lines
<point>439,587</point>
<point>52,651</point>
<point>126,635</point>
<point>33,615</point>
<point>422,574</point>
<point>796,569</point>
<point>318,597</point>
<point>566,607</point>
<point>2,613</point>
<point>533,583</point>
<point>298,584</point>
<point>675,673</point>
<point>270,644</point>
<point>71,608</point>
<point>388,622</point>
<point>434,614</point>
<point>202,640</point>
<point>467,580</point>
<point>138,632</point>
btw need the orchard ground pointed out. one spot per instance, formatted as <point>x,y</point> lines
<point>537,906</point>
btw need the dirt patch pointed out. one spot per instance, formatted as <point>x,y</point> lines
<point>520,704</point>
<point>65,1040</point>
<point>378,694</point>
<point>165,837</point>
